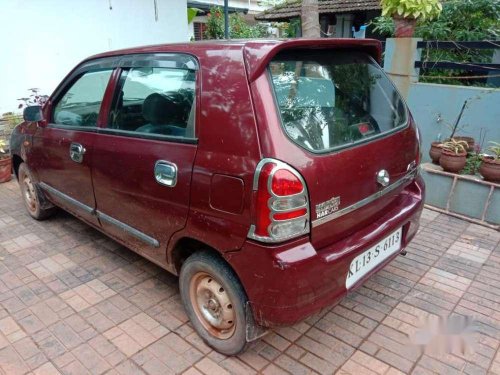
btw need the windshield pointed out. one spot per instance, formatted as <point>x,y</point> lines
<point>331,99</point>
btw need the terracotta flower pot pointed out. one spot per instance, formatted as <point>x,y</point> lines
<point>490,169</point>
<point>5,169</point>
<point>404,27</point>
<point>469,140</point>
<point>452,162</point>
<point>435,152</point>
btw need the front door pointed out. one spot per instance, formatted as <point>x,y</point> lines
<point>62,151</point>
<point>143,158</point>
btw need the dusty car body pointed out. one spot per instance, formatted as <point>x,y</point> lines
<point>271,176</point>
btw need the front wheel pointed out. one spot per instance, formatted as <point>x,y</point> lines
<point>37,205</point>
<point>215,303</point>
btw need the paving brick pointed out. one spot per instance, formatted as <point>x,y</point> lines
<point>209,367</point>
<point>291,365</point>
<point>11,363</point>
<point>90,359</point>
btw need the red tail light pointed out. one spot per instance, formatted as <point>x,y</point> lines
<point>281,209</point>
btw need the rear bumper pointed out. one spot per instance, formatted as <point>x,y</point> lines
<point>289,282</point>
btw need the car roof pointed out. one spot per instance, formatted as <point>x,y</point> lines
<point>257,52</point>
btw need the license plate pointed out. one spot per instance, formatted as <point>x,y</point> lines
<point>372,257</point>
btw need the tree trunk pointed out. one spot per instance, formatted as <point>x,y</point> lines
<point>310,19</point>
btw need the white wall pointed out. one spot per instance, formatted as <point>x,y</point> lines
<point>41,41</point>
<point>252,5</point>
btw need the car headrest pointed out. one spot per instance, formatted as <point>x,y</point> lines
<point>164,109</point>
<point>156,109</point>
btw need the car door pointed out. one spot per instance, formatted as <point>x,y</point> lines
<point>143,157</point>
<point>62,150</point>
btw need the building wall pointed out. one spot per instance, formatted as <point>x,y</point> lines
<point>252,5</point>
<point>434,106</point>
<point>42,41</point>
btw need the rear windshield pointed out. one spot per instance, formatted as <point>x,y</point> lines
<point>333,99</point>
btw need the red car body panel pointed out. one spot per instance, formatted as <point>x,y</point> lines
<point>237,125</point>
<point>291,281</point>
<point>49,160</point>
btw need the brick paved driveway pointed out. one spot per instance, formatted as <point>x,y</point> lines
<point>72,301</point>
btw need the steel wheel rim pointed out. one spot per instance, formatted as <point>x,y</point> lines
<point>29,194</point>
<point>212,305</point>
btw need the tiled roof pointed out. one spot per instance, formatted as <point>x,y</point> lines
<point>291,8</point>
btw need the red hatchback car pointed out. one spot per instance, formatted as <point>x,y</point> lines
<point>272,176</point>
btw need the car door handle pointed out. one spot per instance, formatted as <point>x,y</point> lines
<point>76,152</point>
<point>165,173</point>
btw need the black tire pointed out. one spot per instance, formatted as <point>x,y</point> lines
<point>205,263</point>
<point>34,200</point>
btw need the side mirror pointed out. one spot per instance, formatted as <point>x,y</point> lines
<point>33,113</point>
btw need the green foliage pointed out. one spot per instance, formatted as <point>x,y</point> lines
<point>418,9</point>
<point>8,121</point>
<point>292,28</point>
<point>460,20</point>
<point>457,147</point>
<point>238,28</point>
<point>464,20</point>
<point>215,24</point>
<point>495,149</point>
<point>191,14</point>
<point>472,163</point>
<point>384,26</point>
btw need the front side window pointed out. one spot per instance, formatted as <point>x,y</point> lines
<point>155,101</point>
<point>333,99</point>
<point>81,103</point>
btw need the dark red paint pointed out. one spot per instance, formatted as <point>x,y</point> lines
<point>236,126</point>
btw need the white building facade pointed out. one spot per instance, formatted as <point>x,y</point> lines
<point>42,41</point>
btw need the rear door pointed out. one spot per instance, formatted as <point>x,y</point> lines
<point>143,157</point>
<point>62,151</point>
<point>347,131</point>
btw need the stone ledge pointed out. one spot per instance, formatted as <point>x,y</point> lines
<point>433,168</point>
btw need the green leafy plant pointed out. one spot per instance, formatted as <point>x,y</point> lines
<point>238,28</point>
<point>460,20</point>
<point>3,149</point>
<point>454,146</point>
<point>383,26</point>
<point>292,28</point>
<point>191,14</point>
<point>215,24</point>
<point>417,9</point>
<point>495,149</point>
<point>472,163</point>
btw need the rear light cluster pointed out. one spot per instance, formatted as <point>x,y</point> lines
<point>281,209</point>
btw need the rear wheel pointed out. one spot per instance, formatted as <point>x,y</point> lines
<point>33,198</point>
<point>215,302</point>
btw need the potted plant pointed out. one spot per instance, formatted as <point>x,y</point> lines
<point>490,166</point>
<point>5,163</point>
<point>453,155</point>
<point>405,14</point>
<point>435,151</point>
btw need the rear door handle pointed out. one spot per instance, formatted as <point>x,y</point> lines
<point>76,152</point>
<point>165,173</point>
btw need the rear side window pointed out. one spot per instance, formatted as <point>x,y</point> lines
<point>156,101</point>
<point>333,99</point>
<point>81,103</point>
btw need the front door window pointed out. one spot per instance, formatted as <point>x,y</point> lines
<point>81,103</point>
